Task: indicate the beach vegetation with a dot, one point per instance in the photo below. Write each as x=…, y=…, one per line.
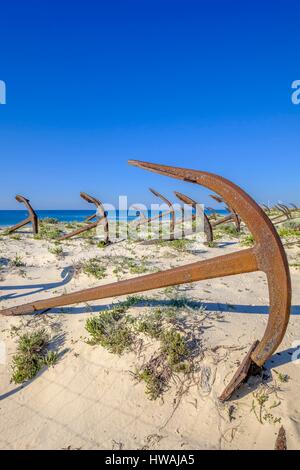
x=32, y=354
x=110, y=329
x=248, y=240
x=56, y=250
x=172, y=358
x=261, y=407
x=72, y=225
x=94, y=267
x=294, y=265
x=50, y=221
x=179, y=244
x=288, y=232
x=110, y=332
x=283, y=378
x=17, y=261
x=150, y=325
x=48, y=232
x=125, y=264
x=101, y=244
x=88, y=234
x=16, y=236
x=154, y=383
x=230, y=230
x=179, y=301
x=118, y=331
x=174, y=347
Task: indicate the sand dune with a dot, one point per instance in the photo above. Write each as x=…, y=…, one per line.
x=90, y=400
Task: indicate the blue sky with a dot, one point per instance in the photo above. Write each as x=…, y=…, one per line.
x=205, y=85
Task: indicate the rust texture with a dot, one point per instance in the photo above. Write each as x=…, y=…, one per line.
x=32, y=217
x=207, y=225
x=267, y=255
x=100, y=215
x=281, y=443
x=240, y=376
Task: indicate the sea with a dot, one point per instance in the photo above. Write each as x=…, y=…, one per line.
x=12, y=217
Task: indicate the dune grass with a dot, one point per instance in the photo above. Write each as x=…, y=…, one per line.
x=31, y=356
x=93, y=267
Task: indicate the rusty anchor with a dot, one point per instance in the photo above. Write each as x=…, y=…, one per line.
x=285, y=211
x=281, y=441
x=231, y=217
x=207, y=225
x=266, y=208
x=139, y=214
x=287, y=214
x=32, y=217
x=267, y=255
x=161, y=215
x=101, y=218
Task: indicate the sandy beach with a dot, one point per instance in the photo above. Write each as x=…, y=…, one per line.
x=91, y=398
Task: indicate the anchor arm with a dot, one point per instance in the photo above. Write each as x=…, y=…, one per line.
x=221, y=266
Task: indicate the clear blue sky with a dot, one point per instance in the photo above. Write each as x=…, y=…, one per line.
x=193, y=83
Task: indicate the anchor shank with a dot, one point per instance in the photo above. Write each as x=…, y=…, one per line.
x=19, y=225
x=227, y=218
x=208, y=269
x=155, y=217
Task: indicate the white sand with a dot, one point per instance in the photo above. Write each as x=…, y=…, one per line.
x=89, y=399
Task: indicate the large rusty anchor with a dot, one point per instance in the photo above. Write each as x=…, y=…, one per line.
x=267, y=255
x=32, y=217
x=101, y=218
x=207, y=225
x=161, y=215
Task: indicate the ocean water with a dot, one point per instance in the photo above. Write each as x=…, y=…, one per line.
x=12, y=217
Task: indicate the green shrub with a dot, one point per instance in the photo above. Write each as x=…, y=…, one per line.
x=16, y=236
x=288, y=232
x=230, y=230
x=108, y=331
x=154, y=386
x=56, y=250
x=17, y=262
x=248, y=240
x=180, y=244
x=94, y=268
x=47, y=232
x=31, y=356
x=174, y=346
